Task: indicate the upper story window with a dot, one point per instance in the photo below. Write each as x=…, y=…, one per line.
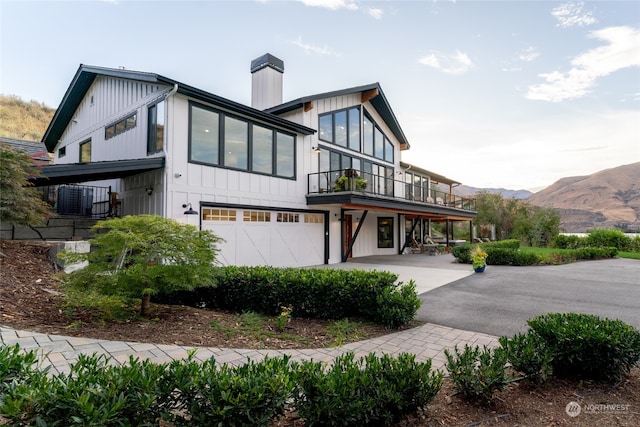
x=155, y=135
x=355, y=129
x=62, y=151
x=120, y=126
x=85, y=151
x=220, y=139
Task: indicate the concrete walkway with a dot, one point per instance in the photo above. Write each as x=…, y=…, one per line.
x=426, y=342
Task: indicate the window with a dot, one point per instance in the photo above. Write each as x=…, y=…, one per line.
x=314, y=218
x=326, y=128
x=219, y=139
x=120, y=126
x=257, y=216
x=288, y=217
x=236, y=143
x=62, y=151
x=155, y=136
x=285, y=156
x=205, y=136
x=385, y=232
x=211, y=214
x=262, y=154
x=85, y=152
x=367, y=137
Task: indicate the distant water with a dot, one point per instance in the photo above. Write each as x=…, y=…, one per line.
x=632, y=235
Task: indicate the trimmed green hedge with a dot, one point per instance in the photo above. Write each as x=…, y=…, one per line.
x=321, y=293
x=372, y=391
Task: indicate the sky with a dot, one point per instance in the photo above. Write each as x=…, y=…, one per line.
x=511, y=94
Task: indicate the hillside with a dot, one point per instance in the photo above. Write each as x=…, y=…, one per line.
x=466, y=191
x=23, y=120
x=609, y=198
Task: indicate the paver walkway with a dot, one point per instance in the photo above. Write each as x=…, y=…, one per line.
x=426, y=342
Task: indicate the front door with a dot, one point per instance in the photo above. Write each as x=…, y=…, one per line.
x=348, y=234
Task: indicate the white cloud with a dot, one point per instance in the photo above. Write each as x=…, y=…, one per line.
x=310, y=48
x=376, y=13
x=622, y=51
x=529, y=54
x=458, y=63
x=332, y=4
x=571, y=14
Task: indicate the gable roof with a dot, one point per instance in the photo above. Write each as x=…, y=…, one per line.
x=379, y=102
x=86, y=75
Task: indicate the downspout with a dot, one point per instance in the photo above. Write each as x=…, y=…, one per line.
x=164, y=150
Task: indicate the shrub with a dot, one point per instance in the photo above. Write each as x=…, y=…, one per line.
x=528, y=354
x=595, y=253
x=314, y=293
x=601, y=238
x=504, y=244
x=586, y=346
x=16, y=364
x=562, y=241
x=369, y=391
x=477, y=373
x=462, y=253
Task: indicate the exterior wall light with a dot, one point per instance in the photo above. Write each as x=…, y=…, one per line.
x=189, y=211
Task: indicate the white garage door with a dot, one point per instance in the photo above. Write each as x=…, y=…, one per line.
x=280, y=239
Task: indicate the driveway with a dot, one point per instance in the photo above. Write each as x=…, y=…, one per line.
x=502, y=299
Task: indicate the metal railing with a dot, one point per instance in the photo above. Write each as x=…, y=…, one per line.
x=79, y=200
x=350, y=180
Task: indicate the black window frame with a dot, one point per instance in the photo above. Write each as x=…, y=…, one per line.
x=111, y=130
x=386, y=243
x=152, y=128
x=62, y=151
x=222, y=114
x=81, y=145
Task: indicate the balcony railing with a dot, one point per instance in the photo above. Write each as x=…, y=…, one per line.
x=79, y=200
x=350, y=180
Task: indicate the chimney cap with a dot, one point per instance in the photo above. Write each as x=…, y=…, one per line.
x=267, y=60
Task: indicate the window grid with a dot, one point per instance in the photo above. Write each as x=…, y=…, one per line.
x=121, y=126
x=213, y=214
x=256, y=216
x=288, y=217
x=313, y=218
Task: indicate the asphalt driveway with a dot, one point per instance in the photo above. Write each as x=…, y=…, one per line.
x=502, y=299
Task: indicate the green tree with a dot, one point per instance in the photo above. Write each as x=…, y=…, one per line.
x=136, y=256
x=20, y=202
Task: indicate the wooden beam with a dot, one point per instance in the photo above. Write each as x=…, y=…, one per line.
x=368, y=94
x=308, y=106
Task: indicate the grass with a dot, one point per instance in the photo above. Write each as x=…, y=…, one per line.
x=547, y=252
x=344, y=330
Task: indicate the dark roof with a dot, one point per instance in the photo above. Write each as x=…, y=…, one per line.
x=379, y=102
x=72, y=173
x=86, y=75
x=36, y=150
x=434, y=176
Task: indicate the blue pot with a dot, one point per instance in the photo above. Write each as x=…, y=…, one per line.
x=480, y=269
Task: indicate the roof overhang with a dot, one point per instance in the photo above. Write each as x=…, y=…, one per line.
x=73, y=173
x=360, y=201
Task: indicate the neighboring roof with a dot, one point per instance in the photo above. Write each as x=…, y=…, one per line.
x=86, y=75
x=379, y=102
x=71, y=173
x=434, y=176
x=36, y=150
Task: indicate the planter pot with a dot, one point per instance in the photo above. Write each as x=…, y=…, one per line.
x=480, y=269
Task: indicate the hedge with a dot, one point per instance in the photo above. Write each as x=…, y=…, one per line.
x=320, y=293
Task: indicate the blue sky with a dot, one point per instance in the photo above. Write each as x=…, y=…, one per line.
x=513, y=94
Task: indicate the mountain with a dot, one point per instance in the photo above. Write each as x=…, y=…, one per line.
x=465, y=191
x=23, y=120
x=609, y=198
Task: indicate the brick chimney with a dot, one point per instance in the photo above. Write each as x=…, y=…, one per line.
x=266, y=81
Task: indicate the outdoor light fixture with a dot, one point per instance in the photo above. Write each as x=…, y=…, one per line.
x=149, y=190
x=189, y=211
x=316, y=149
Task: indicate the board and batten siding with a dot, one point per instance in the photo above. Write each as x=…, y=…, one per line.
x=107, y=101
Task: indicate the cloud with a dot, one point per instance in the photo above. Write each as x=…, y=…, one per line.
x=375, y=13
x=332, y=4
x=313, y=49
x=458, y=63
x=571, y=14
x=529, y=54
x=622, y=51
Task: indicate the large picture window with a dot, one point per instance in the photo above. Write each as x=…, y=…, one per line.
x=356, y=130
x=220, y=139
x=385, y=232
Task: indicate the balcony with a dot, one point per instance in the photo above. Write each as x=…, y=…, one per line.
x=353, y=187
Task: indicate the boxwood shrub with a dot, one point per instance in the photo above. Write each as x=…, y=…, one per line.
x=587, y=346
x=313, y=293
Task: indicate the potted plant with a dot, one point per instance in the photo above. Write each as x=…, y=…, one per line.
x=350, y=183
x=479, y=259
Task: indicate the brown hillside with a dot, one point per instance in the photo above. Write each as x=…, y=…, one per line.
x=605, y=199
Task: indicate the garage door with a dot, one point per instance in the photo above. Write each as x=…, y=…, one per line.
x=256, y=237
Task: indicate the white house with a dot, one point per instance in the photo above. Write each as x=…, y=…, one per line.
x=266, y=178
